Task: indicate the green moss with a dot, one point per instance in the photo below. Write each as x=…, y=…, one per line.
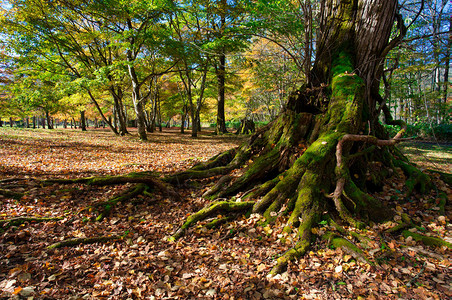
x=300, y=248
x=78, y=241
x=427, y=240
x=416, y=179
x=309, y=194
x=442, y=203
x=264, y=188
x=367, y=205
x=339, y=242
x=217, y=222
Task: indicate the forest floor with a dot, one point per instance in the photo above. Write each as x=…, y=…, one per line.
x=231, y=262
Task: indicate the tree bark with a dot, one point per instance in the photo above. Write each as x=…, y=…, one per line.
x=82, y=120
x=119, y=110
x=221, y=72
x=446, y=72
x=137, y=100
x=49, y=121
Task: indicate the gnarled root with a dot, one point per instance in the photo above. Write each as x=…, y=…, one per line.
x=78, y=241
x=406, y=224
x=21, y=220
x=416, y=178
x=142, y=177
x=11, y=194
x=144, y=182
x=215, y=208
x=107, y=206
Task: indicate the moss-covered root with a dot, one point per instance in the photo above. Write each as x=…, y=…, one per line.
x=142, y=178
x=21, y=220
x=109, y=204
x=224, y=181
x=416, y=179
x=366, y=205
x=337, y=241
x=446, y=177
x=219, y=160
x=427, y=240
x=310, y=216
x=78, y=241
x=11, y=194
x=190, y=174
x=214, y=208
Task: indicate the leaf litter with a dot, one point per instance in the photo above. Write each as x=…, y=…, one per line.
x=231, y=262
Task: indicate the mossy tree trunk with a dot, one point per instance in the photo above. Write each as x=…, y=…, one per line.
x=318, y=155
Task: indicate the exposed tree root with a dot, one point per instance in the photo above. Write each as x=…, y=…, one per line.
x=348, y=246
x=416, y=179
x=11, y=194
x=78, y=241
x=21, y=220
x=143, y=177
x=145, y=181
x=215, y=208
x=446, y=177
x=427, y=240
x=406, y=224
x=11, y=180
x=107, y=206
x=442, y=202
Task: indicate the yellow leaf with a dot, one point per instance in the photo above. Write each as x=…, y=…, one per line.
x=261, y=267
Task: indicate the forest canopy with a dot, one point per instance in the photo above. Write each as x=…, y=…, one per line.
x=144, y=63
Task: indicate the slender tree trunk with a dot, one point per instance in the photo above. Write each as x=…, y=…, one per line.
x=99, y=110
x=49, y=120
x=221, y=72
x=82, y=120
x=182, y=124
x=120, y=118
x=34, y=122
x=446, y=73
x=138, y=104
x=159, y=113
x=11, y=122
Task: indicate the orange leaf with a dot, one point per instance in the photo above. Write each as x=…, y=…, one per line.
x=17, y=290
x=392, y=245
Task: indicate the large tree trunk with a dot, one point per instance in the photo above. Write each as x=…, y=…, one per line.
x=302, y=162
